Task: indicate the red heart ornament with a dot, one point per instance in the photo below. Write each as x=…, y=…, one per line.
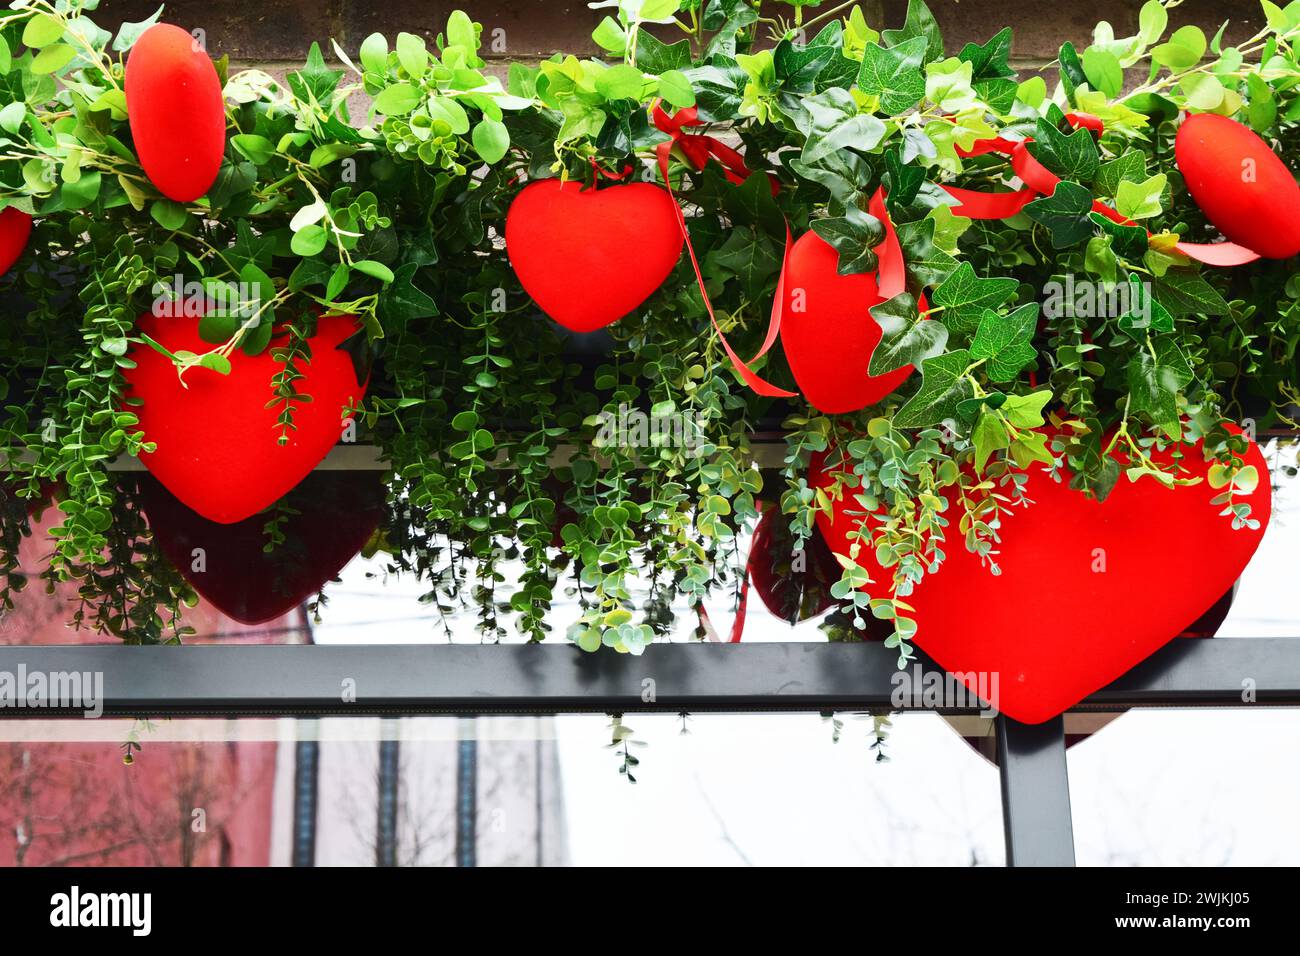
x=588, y=257
x=176, y=111
x=1240, y=184
x=337, y=512
x=15, y=230
x=217, y=439
x=1087, y=590
x=793, y=591
x=828, y=332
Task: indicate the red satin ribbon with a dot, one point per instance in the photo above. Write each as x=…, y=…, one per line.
x=891, y=276
x=698, y=148
x=737, y=623
x=1040, y=181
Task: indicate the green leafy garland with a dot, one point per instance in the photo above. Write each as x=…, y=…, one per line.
x=488, y=417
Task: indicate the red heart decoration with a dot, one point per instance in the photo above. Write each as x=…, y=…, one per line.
x=1051, y=628
x=337, y=513
x=217, y=439
x=1240, y=184
x=827, y=330
x=789, y=594
x=588, y=257
x=176, y=111
x=15, y=230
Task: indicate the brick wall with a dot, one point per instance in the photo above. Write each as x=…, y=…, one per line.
x=276, y=33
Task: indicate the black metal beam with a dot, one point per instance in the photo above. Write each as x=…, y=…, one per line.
x=493, y=679
x=1035, y=793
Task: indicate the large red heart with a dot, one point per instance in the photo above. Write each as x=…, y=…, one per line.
x=588, y=257
x=15, y=230
x=1240, y=184
x=337, y=512
x=218, y=448
x=1051, y=627
x=176, y=111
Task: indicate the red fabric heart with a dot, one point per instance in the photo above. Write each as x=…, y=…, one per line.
x=588, y=257
x=1050, y=627
x=15, y=230
x=792, y=595
x=828, y=333
x=1240, y=184
x=217, y=441
x=337, y=513
x=176, y=111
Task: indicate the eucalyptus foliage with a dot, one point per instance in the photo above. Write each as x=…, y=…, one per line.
x=484, y=411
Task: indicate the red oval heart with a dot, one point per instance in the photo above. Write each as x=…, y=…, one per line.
x=1240, y=184
x=15, y=230
x=217, y=439
x=176, y=111
x=828, y=333
x=1052, y=627
x=588, y=257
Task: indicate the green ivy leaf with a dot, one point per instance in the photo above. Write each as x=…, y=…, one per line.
x=965, y=297
x=1155, y=377
x=402, y=301
x=920, y=23
x=904, y=180
x=944, y=386
x=1005, y=341
x=853, y=235
x=989, y=60
x=655, y=56
x=1144, y=312
x=894, y=74
x=1064, y=214
x=1140, y=200
x=988, y=435
x=926, y=262
x=906, y=338
x=1186, y=293
x=1127, y=242
x=831, y=122
x=1026, y=411
x=1071, y=156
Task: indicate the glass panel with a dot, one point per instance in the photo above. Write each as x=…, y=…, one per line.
x=757, y=788
x=1201, y=787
